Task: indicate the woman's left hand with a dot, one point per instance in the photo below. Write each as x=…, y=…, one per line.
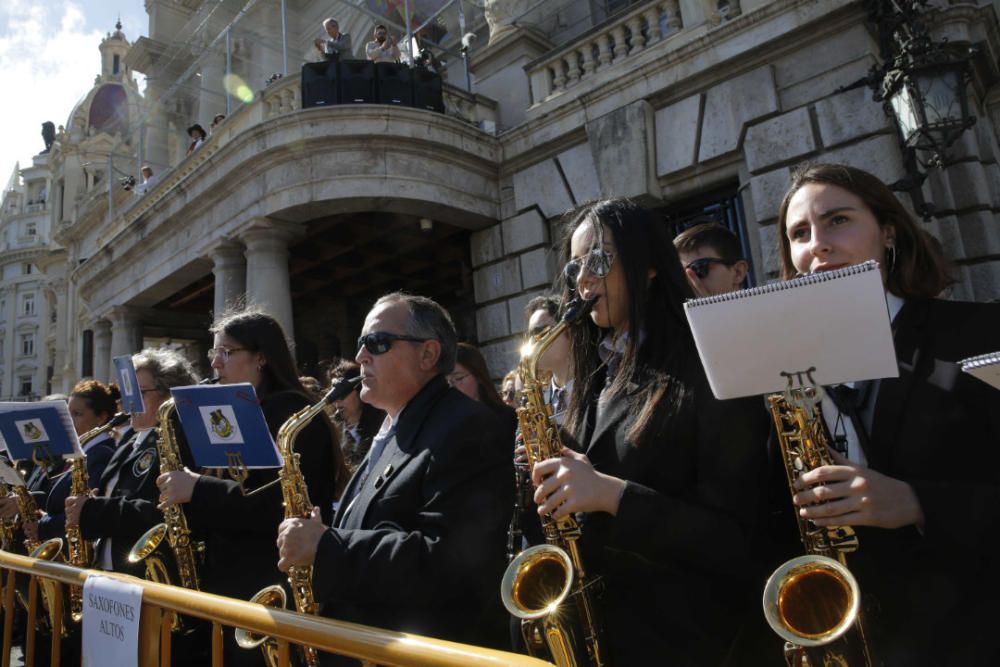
x=569, y=484
x=176, y=487
x=853, y=495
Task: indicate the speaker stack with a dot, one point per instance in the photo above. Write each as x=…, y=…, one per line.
x=366, y=82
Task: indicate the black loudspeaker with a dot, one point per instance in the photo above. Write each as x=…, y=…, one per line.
x=427, y=90
x=319, y=85
x=395, y=84
x=357, y=81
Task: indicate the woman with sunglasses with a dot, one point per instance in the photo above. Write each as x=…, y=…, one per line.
x=239, y=528
x=663, y=482
x=918, y=482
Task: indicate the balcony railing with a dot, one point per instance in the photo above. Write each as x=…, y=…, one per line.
x=604, y=47
x=161, y=603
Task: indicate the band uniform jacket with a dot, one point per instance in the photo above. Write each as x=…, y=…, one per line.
x=418, y=545
x=674, y=560
x=241, y=530
x=130, y=510
x=53, y=524
x=929, y=596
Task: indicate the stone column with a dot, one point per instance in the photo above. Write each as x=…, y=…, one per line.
x=102, y=350
x=9, y=341
x=126, y=336
x=229, y=265
x=57, y=289
x=268, y=284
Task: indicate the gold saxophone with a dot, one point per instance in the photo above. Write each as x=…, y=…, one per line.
x=81, y=551
x=186, y=553
x=813, y=601
x=49, y=550
x=541, y=579
x=8, y=526
x=297, y=505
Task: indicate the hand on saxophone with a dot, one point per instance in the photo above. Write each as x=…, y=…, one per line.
x=848, y=494
x=73, y=506
x=176, y=487
x=298, y=539
x=30, y=529
x=569, y=484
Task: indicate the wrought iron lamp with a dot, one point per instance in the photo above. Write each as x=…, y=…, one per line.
x=922, y=85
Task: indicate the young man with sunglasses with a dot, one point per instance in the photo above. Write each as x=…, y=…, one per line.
x=542, y=313
x=712, y=260
x=419, y=538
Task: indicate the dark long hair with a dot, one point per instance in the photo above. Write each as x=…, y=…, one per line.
x=472, y=359
x=259, y=332
x=920, y=268
x=659, y=361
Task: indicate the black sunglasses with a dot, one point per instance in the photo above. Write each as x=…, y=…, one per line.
x=379, y=342
x=703, y=265
x=597, y=262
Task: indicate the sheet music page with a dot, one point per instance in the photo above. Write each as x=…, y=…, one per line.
x=836, y=323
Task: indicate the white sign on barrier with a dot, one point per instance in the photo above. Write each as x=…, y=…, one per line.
x=110, y=622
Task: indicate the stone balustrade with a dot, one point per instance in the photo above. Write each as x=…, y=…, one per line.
x=608, y=45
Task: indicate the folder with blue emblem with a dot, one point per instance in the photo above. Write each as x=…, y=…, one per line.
x=41, y=430
x=223, y=424
x=128, y=385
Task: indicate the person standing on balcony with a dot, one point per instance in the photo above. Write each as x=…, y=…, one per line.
x=198, y=136
x=337, y=43
x=383, y=48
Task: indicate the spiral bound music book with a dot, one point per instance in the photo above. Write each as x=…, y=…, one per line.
x=986, y=367
x=823, y=328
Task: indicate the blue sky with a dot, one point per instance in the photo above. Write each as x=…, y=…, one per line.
x=49, y=58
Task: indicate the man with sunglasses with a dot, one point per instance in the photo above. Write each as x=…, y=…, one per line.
x=712, y=260
x=418, y=541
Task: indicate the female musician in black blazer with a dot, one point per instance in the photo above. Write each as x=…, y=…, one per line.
x=666, y=475
x=922, y=489
x=91, y=405
x=240, y=549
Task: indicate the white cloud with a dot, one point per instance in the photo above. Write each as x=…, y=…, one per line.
x=49, y=61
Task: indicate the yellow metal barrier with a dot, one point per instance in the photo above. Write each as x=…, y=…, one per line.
x=161, y=602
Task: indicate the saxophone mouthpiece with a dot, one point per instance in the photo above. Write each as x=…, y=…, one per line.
x=576, y=309
x=118, y=419
x=341, y=389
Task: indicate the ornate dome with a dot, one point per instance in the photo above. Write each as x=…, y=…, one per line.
x=109, y=109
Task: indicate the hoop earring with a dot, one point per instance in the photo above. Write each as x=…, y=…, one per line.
x=890, y=252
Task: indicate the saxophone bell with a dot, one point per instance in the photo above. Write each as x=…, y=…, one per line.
x=811, y=600
x=275, y=598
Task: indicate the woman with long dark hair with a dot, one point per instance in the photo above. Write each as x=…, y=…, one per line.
x=918, y=481
x=239, y=528
x=664, y=479
x=471, y=377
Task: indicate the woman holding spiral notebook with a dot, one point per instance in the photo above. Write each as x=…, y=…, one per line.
x=916, y=479
x=661, y=481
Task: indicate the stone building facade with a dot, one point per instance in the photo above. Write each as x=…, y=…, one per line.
x=686, y=105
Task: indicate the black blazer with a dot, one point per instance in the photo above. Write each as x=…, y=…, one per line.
x=674, y=560
x=240, y=530
x=930, y=596
x=130, y=510
x=421, y=548
x=53, y=524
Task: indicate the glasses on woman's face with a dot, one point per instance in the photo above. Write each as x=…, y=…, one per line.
x=379, y=342
x=597, y=262
x=703, y=265
x=223, y=353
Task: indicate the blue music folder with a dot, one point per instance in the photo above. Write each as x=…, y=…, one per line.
x=42, y=429
x=128, y=385
x=223, y=423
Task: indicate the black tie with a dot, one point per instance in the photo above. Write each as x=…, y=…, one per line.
x=850, y=401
